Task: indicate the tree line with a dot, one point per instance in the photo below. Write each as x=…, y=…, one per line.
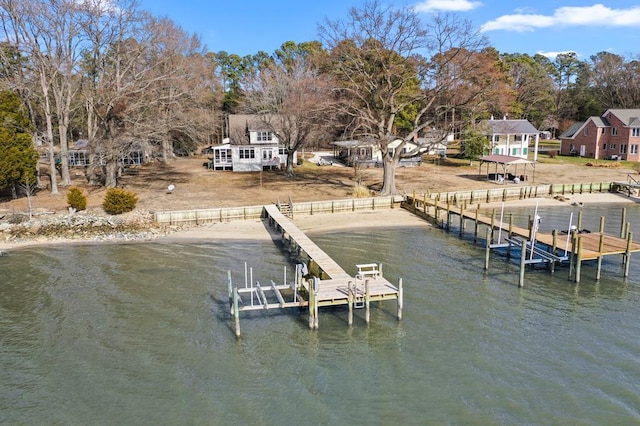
x=123, y=80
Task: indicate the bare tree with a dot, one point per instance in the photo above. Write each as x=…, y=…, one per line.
x=391, y=90
x=49, y=34
x=292, y=96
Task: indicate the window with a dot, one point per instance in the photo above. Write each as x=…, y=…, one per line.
x=222, y=155
x=586, y=131
x=635, y=132
x=264, y=136
x=247, y=153
x=614, y=131
x=613, y=146
x=267, y=154
x=515, y=151
x=525, y=151
x=604, y=146
x=604, y=130
x=633, y=149
x=623, y=148
x=282, y=151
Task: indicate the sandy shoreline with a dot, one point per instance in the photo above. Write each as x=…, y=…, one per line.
x=256, y=229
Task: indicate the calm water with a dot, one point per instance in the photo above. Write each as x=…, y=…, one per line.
x=140, y=334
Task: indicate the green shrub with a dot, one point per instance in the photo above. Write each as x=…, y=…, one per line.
x=300, y=161
x=118, y=201
x=76, y=199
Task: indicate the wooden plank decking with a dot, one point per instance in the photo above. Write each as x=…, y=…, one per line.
x=337, y=287
x=594, y=245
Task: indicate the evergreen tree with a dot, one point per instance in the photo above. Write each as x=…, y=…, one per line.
x=18, y=158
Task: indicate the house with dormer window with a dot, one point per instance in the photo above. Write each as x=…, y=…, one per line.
x=615, y=135
x=250, y=146
x=511, y=137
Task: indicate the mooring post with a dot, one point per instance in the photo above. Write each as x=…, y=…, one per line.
x=230, y=287
x=367, y=302
x=400, y=299
x=461, y=221
x=628, y=254
x=487, y=249
x=600, y=255
x=623, y=221
x=572, y=256
x=236, y=312
x=580, y=220
x=312, y=309
x=579, y=260
x=493, y=222
x=351, y=301
x=523, y=262
x=475, y=229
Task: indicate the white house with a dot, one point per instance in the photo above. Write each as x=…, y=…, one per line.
x=511, y=137
x=251, y=146
x=368, y=153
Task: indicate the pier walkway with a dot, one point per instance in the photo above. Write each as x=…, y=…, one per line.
x=583, y=246
x=317, y=283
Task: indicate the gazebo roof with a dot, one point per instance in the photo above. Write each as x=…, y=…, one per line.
x=504, y=159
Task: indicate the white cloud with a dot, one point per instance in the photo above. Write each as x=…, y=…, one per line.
x=446, y=5
x=596, y=15
x=552, y=55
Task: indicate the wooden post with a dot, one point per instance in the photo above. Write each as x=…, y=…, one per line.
x=493, y=223
x=312, y=308
x=230, y=287
x=572, y=256
x=367, y=302
x=400, y=299
x=580, y=220
x=351, y=301
x=523, y=260
x=487, y=250
x=510, y=235
x=461, y=221
x=236, y=312
x=579, y=260
x=622, y=222
x=600, y=249
x=448, y=214
x=628, y=254
x=424, y=201
x=475, y=230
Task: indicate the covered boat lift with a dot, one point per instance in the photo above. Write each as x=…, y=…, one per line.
x=509, y=168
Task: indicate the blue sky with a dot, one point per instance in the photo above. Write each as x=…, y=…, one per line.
x=533, y=26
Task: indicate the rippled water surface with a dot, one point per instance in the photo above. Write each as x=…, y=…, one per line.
x=140, y=334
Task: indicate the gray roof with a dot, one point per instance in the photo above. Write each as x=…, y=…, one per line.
x=630, y=117
x=572, y=130
x=508, y=127
x=250, y=122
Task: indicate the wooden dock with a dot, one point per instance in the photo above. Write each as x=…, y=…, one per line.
x=580, y=247
x=317, y=283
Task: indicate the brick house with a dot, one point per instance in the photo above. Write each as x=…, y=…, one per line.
x=613, y=136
